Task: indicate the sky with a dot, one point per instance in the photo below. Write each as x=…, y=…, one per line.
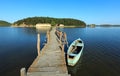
x=89, y=11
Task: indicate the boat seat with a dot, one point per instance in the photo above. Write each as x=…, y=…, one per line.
x=77, y=50
x=72, y=54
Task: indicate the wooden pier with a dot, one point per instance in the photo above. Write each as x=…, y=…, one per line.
x=50, y=60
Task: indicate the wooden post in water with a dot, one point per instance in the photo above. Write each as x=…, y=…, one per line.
x=38, y=44
x=23, y=72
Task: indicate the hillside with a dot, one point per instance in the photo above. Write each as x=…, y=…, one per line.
x=32, y=21
x=4, y=23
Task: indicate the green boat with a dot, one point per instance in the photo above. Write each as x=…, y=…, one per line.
x=74, y=52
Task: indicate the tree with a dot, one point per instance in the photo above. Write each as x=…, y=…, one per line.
x=53, y=23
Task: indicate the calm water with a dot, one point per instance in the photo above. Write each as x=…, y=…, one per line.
x=101, y=55
x=17, y=49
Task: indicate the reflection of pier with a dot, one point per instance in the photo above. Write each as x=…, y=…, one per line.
x=51, y=59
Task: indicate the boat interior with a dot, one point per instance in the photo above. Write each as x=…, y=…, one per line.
x=79, y=41
x=71, y=56
x=75, y=51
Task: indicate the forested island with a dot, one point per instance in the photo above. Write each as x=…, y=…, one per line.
x=4, y=23
x=32, y=21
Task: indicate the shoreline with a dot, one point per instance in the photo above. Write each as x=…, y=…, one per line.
x=22, y=26
x=51, y=26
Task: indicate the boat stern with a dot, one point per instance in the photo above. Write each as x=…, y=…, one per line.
x=71, y=62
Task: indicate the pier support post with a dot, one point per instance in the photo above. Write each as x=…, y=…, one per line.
x=38, y=44
x=23, y=72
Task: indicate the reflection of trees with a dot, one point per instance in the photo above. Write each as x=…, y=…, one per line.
x=33, y=31
x=30, y=31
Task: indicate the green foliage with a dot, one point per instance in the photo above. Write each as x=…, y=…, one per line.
x=53, y=21
x=4, y=23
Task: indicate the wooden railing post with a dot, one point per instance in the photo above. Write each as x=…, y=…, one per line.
x=60, y=37
x=65, y=39
x=38, y=44
x=62, y=47
x=23, y=72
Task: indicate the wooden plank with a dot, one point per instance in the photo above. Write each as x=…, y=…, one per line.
x=46, y=74
x=51, y=61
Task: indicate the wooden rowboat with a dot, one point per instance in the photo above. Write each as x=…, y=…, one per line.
x=74, y=52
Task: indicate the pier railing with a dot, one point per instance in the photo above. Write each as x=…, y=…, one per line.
x=51, y=39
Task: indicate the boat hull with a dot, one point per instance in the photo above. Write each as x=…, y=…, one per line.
x=73, y=61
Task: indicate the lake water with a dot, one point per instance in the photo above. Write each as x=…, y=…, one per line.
x=17, y=49
x=101, y=55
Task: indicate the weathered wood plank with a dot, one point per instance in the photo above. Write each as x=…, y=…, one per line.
x=51, y=61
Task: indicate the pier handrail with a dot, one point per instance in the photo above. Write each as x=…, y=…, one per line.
x=51, y=58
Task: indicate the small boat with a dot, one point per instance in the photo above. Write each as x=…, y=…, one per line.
x=74, y=52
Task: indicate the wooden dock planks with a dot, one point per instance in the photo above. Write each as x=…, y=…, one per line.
x=51, y=61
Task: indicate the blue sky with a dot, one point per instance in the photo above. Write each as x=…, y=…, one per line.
x=90, y=11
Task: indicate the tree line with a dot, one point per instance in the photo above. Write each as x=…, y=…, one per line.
x=53, y=21
x=4, y=23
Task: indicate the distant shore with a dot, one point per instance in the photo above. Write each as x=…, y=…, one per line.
x=23, y=25
x=45, y=26
x=72, y=26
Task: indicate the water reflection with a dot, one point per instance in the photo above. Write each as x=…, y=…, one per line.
x=101, y=53
x=43, y=29
x=73, y=70
x=17, y=49
x=30, y=31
